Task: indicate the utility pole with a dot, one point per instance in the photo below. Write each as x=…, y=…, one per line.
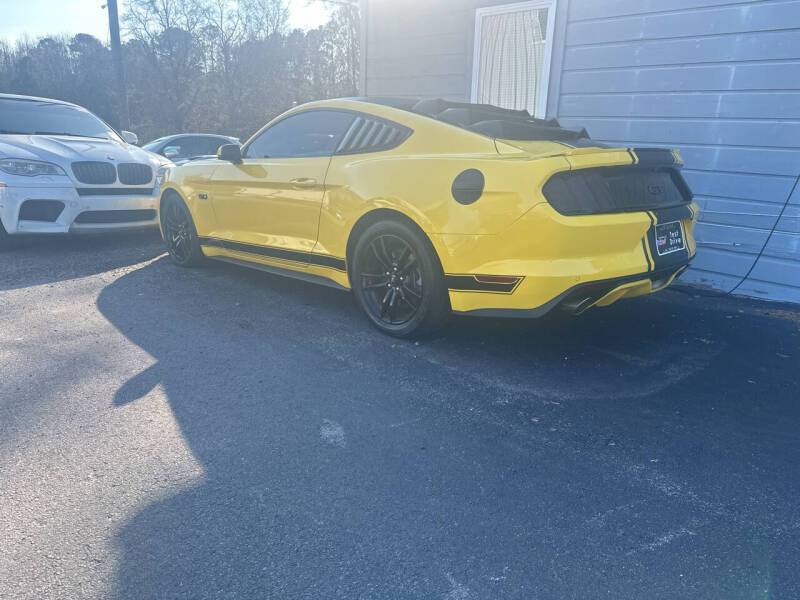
x=119, y=65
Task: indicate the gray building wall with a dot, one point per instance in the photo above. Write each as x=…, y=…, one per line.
x=718, y=80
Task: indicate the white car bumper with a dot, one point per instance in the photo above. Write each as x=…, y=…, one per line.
x=61, y=209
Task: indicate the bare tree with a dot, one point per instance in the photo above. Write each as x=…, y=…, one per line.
x=221, y=66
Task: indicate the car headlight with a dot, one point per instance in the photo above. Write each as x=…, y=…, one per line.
x=29, y=168
x=160, y=174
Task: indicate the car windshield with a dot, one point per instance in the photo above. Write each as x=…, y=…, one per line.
x=40, y=117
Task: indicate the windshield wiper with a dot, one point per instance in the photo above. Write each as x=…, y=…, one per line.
x=65, y=133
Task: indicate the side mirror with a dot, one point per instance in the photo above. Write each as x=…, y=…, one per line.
x=231, y=153
x=130, y=138
x=171, y=151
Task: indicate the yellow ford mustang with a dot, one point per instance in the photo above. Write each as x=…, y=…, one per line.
x=427, y=207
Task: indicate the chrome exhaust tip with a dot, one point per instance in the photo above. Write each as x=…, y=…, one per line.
x=576, y=307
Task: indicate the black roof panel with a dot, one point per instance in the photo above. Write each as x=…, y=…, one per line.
x=485, y=119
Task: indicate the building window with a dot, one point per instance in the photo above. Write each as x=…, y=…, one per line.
x=513, y=46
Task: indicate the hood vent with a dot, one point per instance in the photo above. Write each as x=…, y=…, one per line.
x=372, y=134
x=96, y=173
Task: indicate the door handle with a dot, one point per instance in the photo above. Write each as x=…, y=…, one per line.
x=304, y=182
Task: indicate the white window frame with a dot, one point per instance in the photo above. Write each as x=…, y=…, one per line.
x=480, y=13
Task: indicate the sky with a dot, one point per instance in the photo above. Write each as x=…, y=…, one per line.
x=36, y=18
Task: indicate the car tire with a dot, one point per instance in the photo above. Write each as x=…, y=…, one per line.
x=398, y=281
x=180, y=234
x=6, y=241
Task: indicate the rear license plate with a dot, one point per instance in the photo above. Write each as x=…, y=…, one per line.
x=669, y=238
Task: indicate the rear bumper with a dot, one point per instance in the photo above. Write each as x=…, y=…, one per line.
x=67, y=212
x=584, y=296
x=572, y=262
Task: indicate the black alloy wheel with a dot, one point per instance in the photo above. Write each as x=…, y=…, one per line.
x=391, y=280
x=398, y=281
x=180, y=234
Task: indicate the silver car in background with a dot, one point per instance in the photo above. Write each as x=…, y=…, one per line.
x=62, y=170
x=186, y=147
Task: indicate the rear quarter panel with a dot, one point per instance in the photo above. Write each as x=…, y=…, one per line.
x=416, y=180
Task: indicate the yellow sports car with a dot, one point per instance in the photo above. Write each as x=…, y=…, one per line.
x=427, y=207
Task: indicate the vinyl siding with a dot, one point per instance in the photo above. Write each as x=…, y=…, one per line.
x=424, y=47
x=721, y=82
x=718, y=80
x=417, y=48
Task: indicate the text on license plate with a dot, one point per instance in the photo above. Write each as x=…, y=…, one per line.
x=669, y=238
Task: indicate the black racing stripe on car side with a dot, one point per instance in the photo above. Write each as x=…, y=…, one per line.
x=325, y=260
x=646, y=256
x=468, y=283
x=646, y=242
x=322, y=260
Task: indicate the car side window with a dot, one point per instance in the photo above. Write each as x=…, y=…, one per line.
x=201, y=145
x=181, y=143
x=190, y=146
x=206, y=146
x=305, y=134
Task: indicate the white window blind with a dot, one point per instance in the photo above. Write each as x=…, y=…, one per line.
x=512, y=56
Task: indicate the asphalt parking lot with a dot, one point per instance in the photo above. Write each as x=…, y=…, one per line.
x=220, y=433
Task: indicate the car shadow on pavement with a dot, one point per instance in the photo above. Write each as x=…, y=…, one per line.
x=74, y=256
x=636, y=451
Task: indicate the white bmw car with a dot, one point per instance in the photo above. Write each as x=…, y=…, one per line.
x=63, y=170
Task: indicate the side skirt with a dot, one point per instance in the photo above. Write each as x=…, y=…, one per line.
x=318, y=260
x=307, y=277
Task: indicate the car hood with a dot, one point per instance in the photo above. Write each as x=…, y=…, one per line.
x=65, y=149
